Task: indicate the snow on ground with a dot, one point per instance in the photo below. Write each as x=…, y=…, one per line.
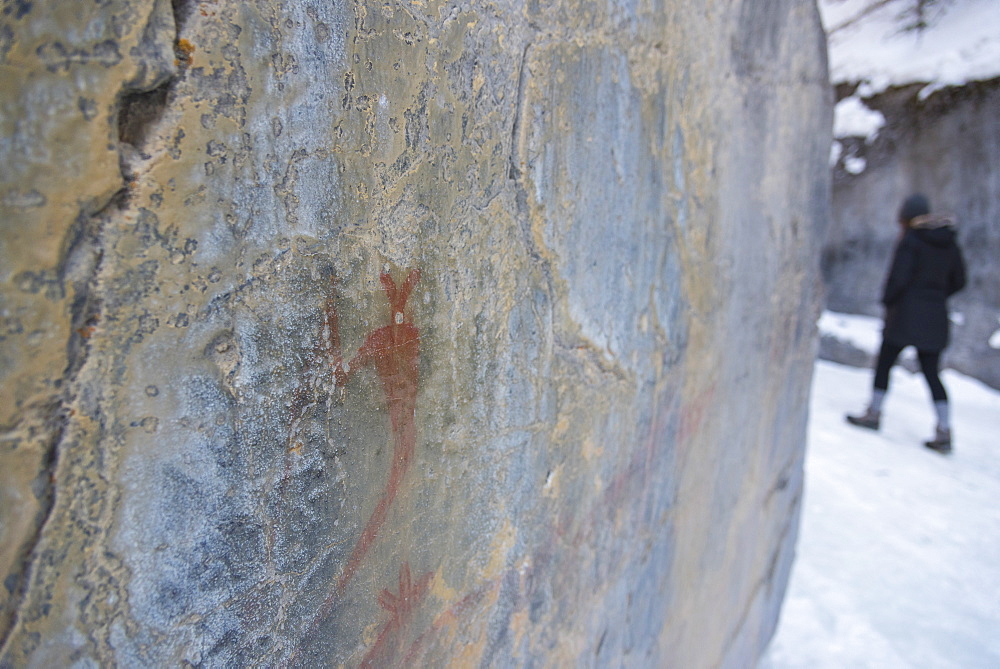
x=861, y=332
x=961, y=43
x=899, y=548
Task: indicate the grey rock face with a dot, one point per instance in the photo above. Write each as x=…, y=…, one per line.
x=946, y=147
x=405, y=334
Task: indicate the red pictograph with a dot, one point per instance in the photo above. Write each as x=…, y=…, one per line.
x=394, y=350
x=400, y=607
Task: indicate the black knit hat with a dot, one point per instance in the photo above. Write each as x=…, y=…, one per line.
x=913, y=206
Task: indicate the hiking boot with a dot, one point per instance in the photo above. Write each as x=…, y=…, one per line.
x=941, y=441
x=869, y=419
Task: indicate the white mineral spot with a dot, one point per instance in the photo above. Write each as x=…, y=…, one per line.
x=399, y=318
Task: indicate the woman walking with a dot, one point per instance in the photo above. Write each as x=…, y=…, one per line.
x=927, y=268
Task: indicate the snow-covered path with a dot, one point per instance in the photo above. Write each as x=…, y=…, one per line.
x=899, y=549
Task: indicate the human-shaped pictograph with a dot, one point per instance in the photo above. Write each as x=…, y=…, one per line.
x=394, y=350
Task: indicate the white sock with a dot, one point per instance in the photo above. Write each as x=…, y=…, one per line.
x=878, y=396
x=941, y=409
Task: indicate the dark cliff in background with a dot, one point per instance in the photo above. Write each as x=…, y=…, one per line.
x=948, y=147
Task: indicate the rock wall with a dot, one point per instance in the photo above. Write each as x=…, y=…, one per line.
x=946, y=146
x=405, y=333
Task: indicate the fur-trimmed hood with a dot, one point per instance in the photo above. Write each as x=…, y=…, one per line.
x=934, y=229
x=932, y=221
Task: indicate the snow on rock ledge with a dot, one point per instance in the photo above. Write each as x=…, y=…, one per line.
x=868, y=42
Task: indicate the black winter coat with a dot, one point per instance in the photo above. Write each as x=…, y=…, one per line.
x=926, y=269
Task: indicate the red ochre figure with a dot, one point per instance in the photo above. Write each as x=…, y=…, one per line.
x=400, y=607
x=393, y=350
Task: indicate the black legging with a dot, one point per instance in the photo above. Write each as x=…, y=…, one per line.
x=929, y=362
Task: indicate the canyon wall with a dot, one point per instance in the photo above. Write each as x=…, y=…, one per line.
x=402, y=334
x=945, y=145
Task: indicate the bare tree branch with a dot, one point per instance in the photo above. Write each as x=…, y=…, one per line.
x=874, y=7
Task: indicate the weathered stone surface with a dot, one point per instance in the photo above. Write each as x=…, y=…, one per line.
x=405, y=333
x=946, y=146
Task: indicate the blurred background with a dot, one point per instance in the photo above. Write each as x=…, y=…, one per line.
x=897, y=557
